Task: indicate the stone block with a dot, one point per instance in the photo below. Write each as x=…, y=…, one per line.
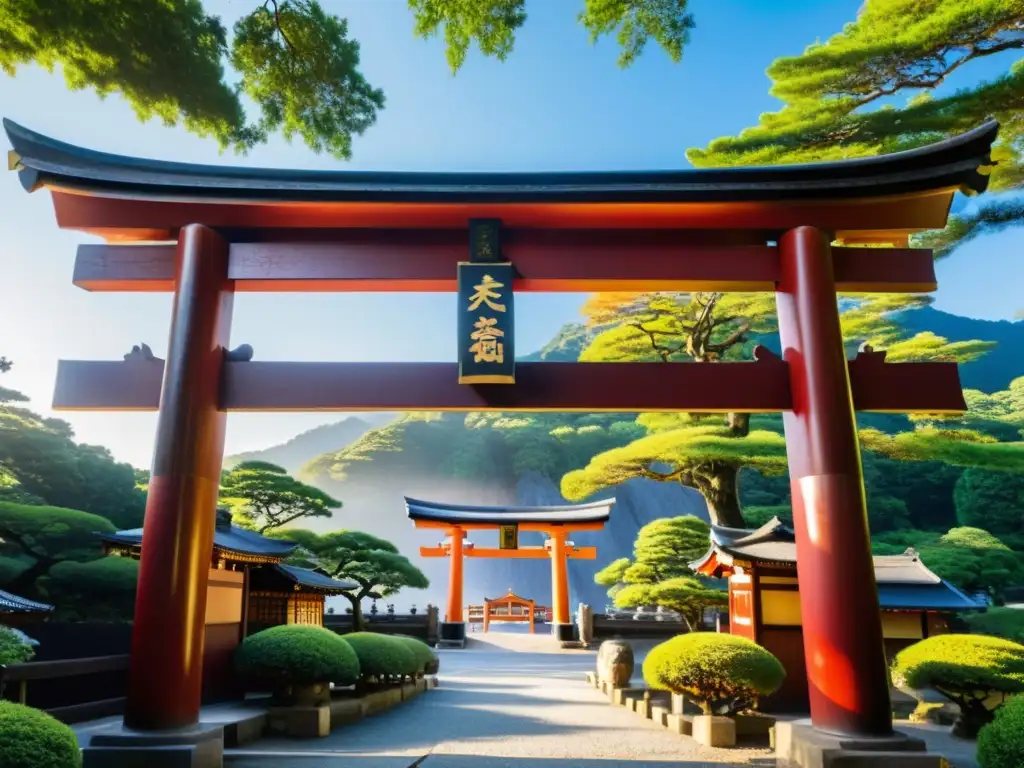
x=753, y=726
x=347, y=710
x=382, y=700
x=683, y=705
x=300, y=722
x=714, y=731
x=621, y=696
x=681, y=724
x=244, y=731
x=200, y=746
x=801, y=746
x=658, y=714
x=409, y=691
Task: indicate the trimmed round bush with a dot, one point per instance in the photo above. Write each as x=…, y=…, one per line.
x=13, y=649
x=296, y=654
x=967, y=669
x=1001, y=742
x=723, y=674
x=383, y=656
x=32, y=739
x=424, y=654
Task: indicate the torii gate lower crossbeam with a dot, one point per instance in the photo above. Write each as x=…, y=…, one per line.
x=556, y=522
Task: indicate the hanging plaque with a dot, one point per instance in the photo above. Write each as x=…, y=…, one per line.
x=486, y=324
x=508, y=537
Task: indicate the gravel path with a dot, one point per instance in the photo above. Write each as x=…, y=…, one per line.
x=508, y=701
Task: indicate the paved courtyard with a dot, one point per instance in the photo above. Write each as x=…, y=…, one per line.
x=510, y=700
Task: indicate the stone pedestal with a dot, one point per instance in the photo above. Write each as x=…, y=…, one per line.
x=200, y=746
x=564, y=633
x=803, y=747
x=714, y=731
x=300, y=722
x=452, y=635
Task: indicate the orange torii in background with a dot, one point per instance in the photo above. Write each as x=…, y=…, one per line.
x=557, y=522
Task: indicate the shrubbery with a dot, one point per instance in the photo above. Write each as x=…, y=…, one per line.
x=1001, y=742
x=383, y=657
x=999, y=622
x=967, y=670
x=724, y=674
x=296, y=655
x=14, y=650
x=32, y=739
x=424, y=654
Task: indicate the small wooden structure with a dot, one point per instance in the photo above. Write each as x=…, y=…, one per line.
x=17, y=611
x=248, y=589
x=510, y=607
x=765, y=602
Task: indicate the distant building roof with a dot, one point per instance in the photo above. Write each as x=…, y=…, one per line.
x=594, y=512
x=13, y=604
x=314, y=579
x=904, y=582
x=227, y=537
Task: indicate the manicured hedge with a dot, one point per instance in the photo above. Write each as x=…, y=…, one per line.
x=1001, y=742
x=296, y=655
x=424, y=654
x=14, y=650
x=32, y=739
x=966, y=669
x=722, y=673
x=383, y=656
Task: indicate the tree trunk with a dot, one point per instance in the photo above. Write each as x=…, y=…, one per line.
x=358, y=623
x=718, y=483
x=24, y=584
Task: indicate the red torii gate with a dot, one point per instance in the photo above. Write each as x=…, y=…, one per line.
x=206, y=232
x=456, y=520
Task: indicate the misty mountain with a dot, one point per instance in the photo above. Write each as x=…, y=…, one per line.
x=307, y=445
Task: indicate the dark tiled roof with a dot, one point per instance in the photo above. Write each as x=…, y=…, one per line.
x=230, y=539
x=952, y=163
x=595, y=512
x=307, y=577
x=13, y=604
x=903, y=580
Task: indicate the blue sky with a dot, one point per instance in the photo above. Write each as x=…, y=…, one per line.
x=557, y=103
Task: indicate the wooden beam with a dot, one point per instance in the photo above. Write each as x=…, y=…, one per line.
x=536, y=527
x=127, y=219
x=523, y=553
x=545, y=261
x=562, y=387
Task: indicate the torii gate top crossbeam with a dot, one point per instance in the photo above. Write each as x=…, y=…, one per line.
x=578, y=516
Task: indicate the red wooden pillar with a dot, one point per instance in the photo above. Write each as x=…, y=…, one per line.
x=165, y=673
x=842, y=627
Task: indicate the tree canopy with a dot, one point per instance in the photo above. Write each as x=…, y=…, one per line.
x=370, y=561
x=839, y=97
x=266, y=497
x=660, y=574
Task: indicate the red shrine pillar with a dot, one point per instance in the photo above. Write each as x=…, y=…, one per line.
x=453, y=628
x=165, y=672
x=561, y=624
x=842, y=627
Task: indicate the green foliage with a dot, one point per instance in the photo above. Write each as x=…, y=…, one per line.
x=13, y=650
x=894, y=47
x=46, y=536
x=493, y=24
x=758, y=516
x=293, y=60
x=296, y=654
x=423, y=653
x=659, y=573
x=30, y=738
x=268, y=498
x=1001, y=742
x=371, y=562
x=723, y=673
x=299, y=66
x=99, y=590
x=999, y=622
x=41, y=464
x=990, y=500
x=969, y=558
x=384, y=657
x=966, y=669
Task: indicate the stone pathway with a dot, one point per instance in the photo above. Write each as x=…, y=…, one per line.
x=506, y=701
